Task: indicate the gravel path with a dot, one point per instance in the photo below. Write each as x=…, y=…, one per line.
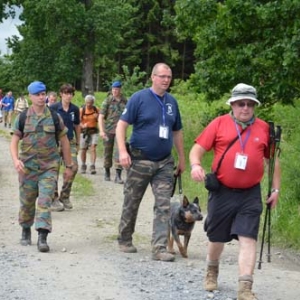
x=84, y=261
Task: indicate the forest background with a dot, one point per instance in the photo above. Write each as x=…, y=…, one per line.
x=210, y=45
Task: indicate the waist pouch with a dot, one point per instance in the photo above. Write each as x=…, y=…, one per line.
x=212, y=183
x=137, y=154
x=89, y=131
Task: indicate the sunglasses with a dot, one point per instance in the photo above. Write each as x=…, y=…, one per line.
x=243, y=104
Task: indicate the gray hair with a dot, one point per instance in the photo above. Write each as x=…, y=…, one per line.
x=89, y=97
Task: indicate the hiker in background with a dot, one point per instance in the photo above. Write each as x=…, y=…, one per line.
x=51, y=98
x=70, y=115
x=111, y=110
x=8, y=103
x=37, y=164
x=89, y=132
x=1, y=96
x=21, y=104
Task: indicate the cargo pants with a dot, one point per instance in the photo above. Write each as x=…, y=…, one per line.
x=160, y=176
x=36, y=190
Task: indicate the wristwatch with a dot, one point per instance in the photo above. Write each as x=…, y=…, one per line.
x=275, y=191
x=69, y=166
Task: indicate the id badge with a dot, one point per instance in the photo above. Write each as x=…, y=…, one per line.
x=240, y=161
x=163, y=132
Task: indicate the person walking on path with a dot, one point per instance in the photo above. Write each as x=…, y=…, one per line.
x=89, y=133
x=156, y=121
x=235, y=208
x=51, y=98
x=70, y=115
x=8, y=103
x=37, y=164
x=111, y=110
x=1, y=97
x=21, y=104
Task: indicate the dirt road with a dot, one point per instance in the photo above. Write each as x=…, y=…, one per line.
x=84, y=261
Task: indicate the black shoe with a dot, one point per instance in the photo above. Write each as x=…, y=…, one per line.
x=107, y=174
x=118, y=178
x=42, y=241
x=26, y=237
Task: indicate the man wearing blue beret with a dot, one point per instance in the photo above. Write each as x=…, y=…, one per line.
x=37, y=163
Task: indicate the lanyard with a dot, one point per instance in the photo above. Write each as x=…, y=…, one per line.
x=162, y=107
x=242, y=143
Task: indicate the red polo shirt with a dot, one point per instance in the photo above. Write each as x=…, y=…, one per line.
x=254, y=140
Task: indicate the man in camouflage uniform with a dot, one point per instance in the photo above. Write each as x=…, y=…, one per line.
x=112, y=108
x=37, y=164
x=156, y=121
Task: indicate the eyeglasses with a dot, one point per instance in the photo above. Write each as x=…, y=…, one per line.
x=243, y=104
x=68, y=93
x=164, y=76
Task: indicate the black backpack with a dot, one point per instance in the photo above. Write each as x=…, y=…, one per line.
x=23, y=116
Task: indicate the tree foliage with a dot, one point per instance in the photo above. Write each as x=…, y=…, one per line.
x=256, y=42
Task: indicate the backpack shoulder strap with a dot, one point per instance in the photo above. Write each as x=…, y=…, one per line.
x=22, y=119
x=55, y=119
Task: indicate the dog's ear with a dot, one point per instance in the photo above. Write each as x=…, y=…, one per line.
x=196, y=200
x=185, y=201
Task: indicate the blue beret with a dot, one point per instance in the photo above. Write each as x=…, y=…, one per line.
x=116, y=84
x=36, y=87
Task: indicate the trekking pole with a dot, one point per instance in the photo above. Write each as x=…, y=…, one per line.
x=268, y=210
x=275, y=138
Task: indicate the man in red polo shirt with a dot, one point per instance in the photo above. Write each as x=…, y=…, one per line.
x=234, y=209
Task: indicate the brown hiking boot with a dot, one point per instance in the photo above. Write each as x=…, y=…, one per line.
x=56, y=205
x=127, y=248
x=211, y=279
x=163, y=256
x=245, y=291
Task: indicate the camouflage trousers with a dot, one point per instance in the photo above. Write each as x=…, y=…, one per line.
x=67, y=184
x=109, y=153
x=36, y=190
x=160, y=176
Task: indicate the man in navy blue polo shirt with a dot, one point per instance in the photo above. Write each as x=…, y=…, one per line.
x=70, y=115
x=156, y=121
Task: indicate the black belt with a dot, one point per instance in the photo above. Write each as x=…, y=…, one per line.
x=235, y=190
x=137, y=154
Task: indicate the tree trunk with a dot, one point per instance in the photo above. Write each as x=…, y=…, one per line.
x=87, y=85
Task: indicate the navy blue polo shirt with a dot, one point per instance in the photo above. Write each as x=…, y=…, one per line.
x=147, y=112
x=70, y=117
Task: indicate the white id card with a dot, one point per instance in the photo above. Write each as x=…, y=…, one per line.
x=163, y=132
x=240, y=161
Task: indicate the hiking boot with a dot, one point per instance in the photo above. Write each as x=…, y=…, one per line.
x=26, y=236
x=107, y=174
x=42, y=241
x=211, y=279
x=93, y=169
x=67, y=203
x=127, y=248
x=163, y=256
x=83, y=169
x=56, y=205
x=245, y=291
x=118, y=178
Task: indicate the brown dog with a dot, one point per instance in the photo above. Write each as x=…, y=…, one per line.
x=182, y=222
